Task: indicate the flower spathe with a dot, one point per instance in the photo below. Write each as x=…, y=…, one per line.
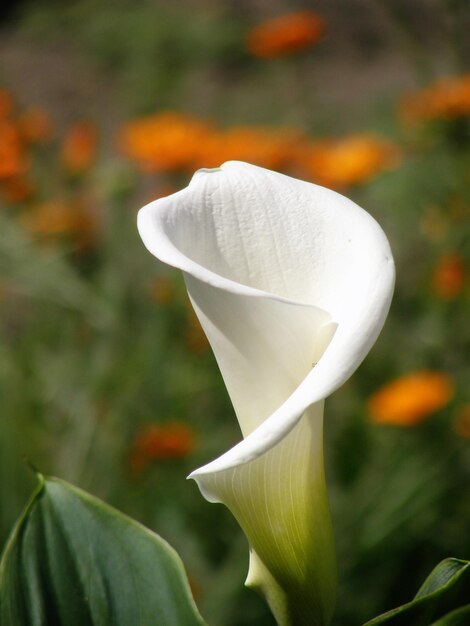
x=292, y=283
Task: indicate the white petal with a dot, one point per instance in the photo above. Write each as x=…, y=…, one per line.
x=292, y=283
x=273, y=265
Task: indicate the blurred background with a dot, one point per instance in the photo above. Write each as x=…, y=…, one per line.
x=106, y=379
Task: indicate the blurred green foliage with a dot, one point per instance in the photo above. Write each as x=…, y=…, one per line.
x=89, y=356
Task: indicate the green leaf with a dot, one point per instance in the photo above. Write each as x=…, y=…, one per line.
x=442, y=576
x=440, y=600
x=72, y=560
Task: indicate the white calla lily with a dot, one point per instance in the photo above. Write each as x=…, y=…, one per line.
x=292, y=283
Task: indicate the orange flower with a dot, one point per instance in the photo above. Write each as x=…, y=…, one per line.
x=164, y=142
x=58, y=218
x=271, y=149
x=35, y=126
x=156, y=442
x=16, y=189
x=13, y=159
x=409, y=400
x=172, y=142
x=446, y=98
x=348, y=161
x=79, y=147
x=461, y=423
x=449, y=276
x=6, y=104
x=286, y=34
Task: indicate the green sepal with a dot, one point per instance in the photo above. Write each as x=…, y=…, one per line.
x=442, y=599
x=72, y=560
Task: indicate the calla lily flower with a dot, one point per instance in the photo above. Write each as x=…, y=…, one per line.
x=292, y=283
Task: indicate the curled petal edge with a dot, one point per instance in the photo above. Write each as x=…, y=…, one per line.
x=349, y=344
